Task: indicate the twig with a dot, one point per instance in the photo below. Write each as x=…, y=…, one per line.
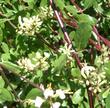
x=97, y=46
x=90, y=95
x=106, y=42
x=24, y=79
x=79, y=9
x=66, y=36
x=28, y=81
x=75, y=25
x=46, y=43
x=1, y=14
x=8, y=83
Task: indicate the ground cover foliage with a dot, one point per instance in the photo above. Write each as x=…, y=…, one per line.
x=55, y=53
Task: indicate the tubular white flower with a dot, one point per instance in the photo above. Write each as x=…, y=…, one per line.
x=37, y=62
x=85, y=71
x=46, y=11
x=55, y=105
x=29, y=26
x=41, y=62
x=67, y=51
x=26, y=63
x=60, y=93
x=38, y=101
x=38, y=55
x=47, y=55
x=48, y=93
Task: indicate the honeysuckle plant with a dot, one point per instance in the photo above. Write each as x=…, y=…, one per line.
x=54, y=53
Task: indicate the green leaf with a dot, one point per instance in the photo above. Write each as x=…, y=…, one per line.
x=83, y=105
x=5, y=95
x=89, y=3
x=75, y=72
x=77, y=98
x=2, y=82
x=71, y=9
x=39, y=73
x=107, y=13
x=60, y=4
x=6, y=57
x=1, y=35
x=105, y=94
x=83, y=33
x=108, y=101
x=98, y=8
x=5, y=47
x=11, y=67
x=31, y=3
x=62, y=61
x=106, y=68
x=84, y=18
x=72, y=34
x=33, y=93
x=43, y=3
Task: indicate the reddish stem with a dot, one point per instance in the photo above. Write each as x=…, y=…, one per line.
x=79, y=9
x=70, y=23
x=106, y=42
x=66, y=36
x=75, y=25
x=97, y=46
x=77, y=60
x=90, y=96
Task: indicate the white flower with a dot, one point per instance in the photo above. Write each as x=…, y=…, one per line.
x=38, y=55
x=47, y=55
x=85, y=71
x=37, y=62
x=26, y=63
x=41, y=62
x=60, y=93
x=5, y=107
x=46, y=11
x=38, y=102
x=29, y=26
x=48, y=93
x=67, y=51
x=55, y=105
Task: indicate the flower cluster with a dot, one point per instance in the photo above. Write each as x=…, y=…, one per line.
x=37, y=62
x=67, y=51
x=93, y=78
x=32, y=25
x=45, y=12
x=49, y=93
x=26, y=63
x=104, y=57
x=29, y=26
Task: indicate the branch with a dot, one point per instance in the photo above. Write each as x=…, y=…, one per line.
x=66, y=36
x=15, y=73
x=79, y=9
x=106, y=42
x=1, y=14
x=75, y=25
x=8, y=83
x=90, y=94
